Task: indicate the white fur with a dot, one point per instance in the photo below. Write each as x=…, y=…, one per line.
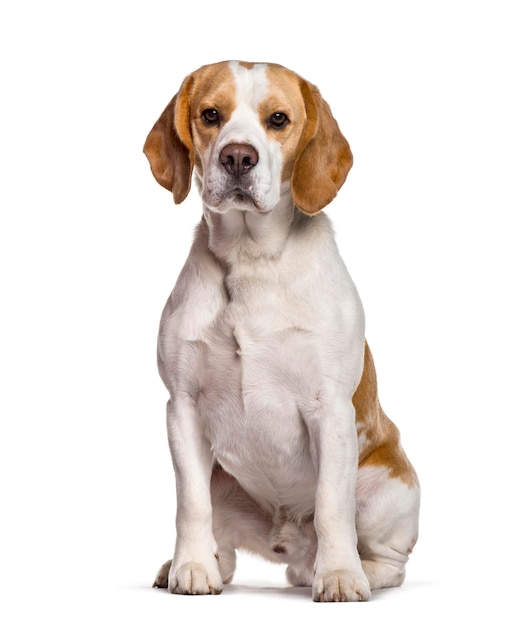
x=261, y=348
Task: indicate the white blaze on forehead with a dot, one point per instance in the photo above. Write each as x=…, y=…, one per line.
x=251, y=88
x=252, y=85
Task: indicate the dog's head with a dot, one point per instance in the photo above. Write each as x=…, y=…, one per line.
x=250, y=132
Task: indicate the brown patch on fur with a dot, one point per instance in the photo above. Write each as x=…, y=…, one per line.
x=317, y=156
x=323, y=157
x=213, y=88
x=169, y=147
x=284, y=96
x=381, y=446
x=247, y=65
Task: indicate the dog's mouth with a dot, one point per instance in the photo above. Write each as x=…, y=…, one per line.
x=239, y=196
x=235, y=198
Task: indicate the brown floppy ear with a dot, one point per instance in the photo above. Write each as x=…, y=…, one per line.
x=169, y=145
x=323, y=157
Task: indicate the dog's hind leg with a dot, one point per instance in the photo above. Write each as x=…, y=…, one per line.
x=387, y=525
x=387, y=490
x=161, y=579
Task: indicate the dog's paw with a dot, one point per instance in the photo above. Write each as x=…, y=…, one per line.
x=161, y=580
x=340, y=586
x=194, y=579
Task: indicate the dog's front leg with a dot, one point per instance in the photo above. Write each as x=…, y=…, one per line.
x=194, y=568
x=338, y=576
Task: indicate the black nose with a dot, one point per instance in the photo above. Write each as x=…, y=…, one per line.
x=238, y=158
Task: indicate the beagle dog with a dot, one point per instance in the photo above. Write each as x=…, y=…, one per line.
x=278, y=440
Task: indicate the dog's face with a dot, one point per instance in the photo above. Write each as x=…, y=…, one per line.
x=246, y=129
x=251, y=132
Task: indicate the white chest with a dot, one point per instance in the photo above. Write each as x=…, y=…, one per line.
x=252, y=385
x=257, y=346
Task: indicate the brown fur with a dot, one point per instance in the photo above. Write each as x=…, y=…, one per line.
x=324, y=157
x=168, y=149
x=382, y=439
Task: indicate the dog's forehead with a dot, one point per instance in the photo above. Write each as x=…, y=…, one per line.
x=251, y=83
x=242, y=83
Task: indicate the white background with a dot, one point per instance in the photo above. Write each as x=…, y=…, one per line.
x=90, y=247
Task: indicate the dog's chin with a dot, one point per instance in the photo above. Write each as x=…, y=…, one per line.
x=235, y=199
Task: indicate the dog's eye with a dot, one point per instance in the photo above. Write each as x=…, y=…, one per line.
x=210, y=117
x=278, y=120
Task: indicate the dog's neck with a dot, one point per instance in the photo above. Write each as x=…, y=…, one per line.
x=240, y=237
